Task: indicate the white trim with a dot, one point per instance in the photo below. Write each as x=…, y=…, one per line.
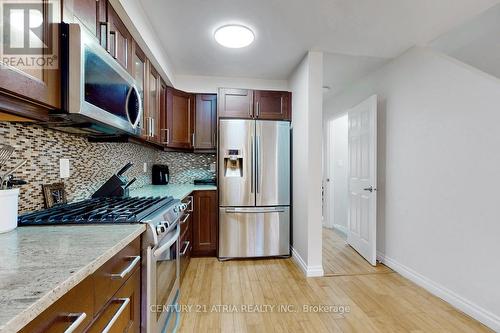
x=341, y=228
x=475, y=311
x=309, y=271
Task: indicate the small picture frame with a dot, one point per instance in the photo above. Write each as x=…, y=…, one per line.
x=54, y=194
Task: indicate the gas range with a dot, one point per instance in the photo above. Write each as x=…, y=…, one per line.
x=159, y=214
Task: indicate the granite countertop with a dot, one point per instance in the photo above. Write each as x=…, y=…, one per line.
x=178, y=191
x=40, y=264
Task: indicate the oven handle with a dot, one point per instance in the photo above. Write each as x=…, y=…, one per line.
x=159, y=251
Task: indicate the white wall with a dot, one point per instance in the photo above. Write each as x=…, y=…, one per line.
x=306, y=86
x=438, y=177
x=209, y=84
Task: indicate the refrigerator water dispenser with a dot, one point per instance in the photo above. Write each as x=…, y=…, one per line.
x=233, y=163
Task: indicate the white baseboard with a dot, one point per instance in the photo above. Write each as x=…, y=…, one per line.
x=475, y=311
x=341, y=228
x=309, y=271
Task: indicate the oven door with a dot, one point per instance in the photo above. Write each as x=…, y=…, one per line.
x=164, y=282
x=100, y=89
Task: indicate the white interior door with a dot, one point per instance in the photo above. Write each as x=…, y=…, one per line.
x=362, y=219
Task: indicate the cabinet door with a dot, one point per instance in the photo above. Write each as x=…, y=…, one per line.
x=205, y=234
x=180, y=119
x=235, y=103
x=162, y=128
x=30, y=67
x=139, y=73
x=205, y=132
x=153, y=104
x=86, y=13
x=272, y=105
x=119, y=40
x=123, y=312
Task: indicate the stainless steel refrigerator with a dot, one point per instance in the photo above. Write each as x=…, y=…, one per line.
x=254, y=188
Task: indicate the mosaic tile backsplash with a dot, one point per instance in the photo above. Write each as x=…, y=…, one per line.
x=90, y=163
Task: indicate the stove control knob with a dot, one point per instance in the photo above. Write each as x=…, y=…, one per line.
x=160, y=228
x=182, y=207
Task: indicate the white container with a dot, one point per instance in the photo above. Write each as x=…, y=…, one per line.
x=8, y=209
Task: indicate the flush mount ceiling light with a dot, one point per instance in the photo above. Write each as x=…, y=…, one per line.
x=234, y=36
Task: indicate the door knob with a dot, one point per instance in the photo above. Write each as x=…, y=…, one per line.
x=370, y=189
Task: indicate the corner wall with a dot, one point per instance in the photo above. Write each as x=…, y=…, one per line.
x=307, y=103
x=438, y=215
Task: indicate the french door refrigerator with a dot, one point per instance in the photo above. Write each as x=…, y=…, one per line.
x=254, y=188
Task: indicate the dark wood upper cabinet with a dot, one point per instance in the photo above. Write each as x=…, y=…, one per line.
x=205, y=231
x=205, y=132
x=139, y=64
x=85, y=11
x=119, y=40
x=180, y=119
x=162, y=121
x=39, y=85
x=153, y=105
x=254, y=104
x=235, y=103
x=272, y=105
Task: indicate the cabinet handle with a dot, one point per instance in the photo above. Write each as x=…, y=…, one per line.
x=186, y=247
x=115, y=43
x=165, y=142
x=258, y=109
x=214, y=139
x=190, y=204
x=122, y=307
x=135, y=261
x=184, y=219
x=104, y=37
x=192, y=138
x=153, y=130
x=80, y=317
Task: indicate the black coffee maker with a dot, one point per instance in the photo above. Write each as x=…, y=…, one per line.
x=160, y=174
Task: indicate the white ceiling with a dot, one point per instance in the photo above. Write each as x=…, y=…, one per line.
x=359, y=34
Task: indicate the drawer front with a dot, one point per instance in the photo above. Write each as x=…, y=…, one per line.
x=111, y=276
x=123, y=312
x=72, y=311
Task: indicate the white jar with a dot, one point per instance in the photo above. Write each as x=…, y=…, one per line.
x=9, y=200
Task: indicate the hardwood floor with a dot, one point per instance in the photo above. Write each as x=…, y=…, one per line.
x=373, y=303
x=341, y=259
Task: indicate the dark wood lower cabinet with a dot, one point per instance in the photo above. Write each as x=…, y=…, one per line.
x=123, y=311
x=205, y=224
x=101, y=300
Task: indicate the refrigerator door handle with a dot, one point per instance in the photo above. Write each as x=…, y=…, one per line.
x=252, y=159
x=256, y=210
x=257, y=166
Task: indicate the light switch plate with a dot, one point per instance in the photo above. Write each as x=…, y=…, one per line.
x=212, y=167
x=145, y=167
x=64, y=168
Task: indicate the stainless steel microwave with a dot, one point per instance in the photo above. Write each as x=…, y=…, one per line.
x=99, y=97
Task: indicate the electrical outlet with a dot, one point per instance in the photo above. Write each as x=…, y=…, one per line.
x=145, y=167
x=213, y=167
x=64, y=168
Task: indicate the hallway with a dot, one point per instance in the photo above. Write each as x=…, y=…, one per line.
x=341, y=259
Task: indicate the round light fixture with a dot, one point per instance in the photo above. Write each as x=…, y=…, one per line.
x=234, y=36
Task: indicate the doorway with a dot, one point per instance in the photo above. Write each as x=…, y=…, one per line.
x=349, y=216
